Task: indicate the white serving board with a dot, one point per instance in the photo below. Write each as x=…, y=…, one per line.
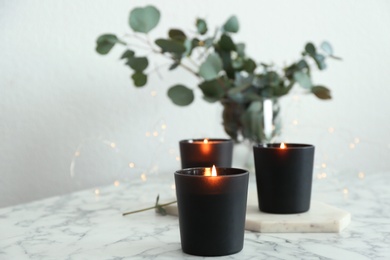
x=321, y=218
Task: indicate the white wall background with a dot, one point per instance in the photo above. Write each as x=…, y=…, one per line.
x=70, y=119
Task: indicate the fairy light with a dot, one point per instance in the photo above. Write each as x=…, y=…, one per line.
x=323, y=165
x=177, y=158
x=352, y=146
x=173, y=186
x=361, y=175
x=331, y=130
x=97, y=191
x=345, y=191
x=113, y=145
x=295, y=122
x=131, y=165
x=116, y=183
x=356, y=140
x=153, y=93
x=323, y=175
x=147, y=134
x=77, y=153
x=163, y=126
x=143, y=177
x=155, y=133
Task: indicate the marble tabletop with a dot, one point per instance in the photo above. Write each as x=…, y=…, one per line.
x=89, y=224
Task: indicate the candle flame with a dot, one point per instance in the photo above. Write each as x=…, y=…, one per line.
x=206, y=141
x=210, y=171
x=214, y=171
x=282, y=146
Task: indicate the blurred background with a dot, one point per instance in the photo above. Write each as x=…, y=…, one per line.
x=70, y=119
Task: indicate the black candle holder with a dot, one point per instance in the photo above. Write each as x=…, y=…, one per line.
x=284, y=177
x=206, y=153
x=212, y=210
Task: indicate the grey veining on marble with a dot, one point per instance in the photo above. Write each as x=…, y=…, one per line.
x=84, y=225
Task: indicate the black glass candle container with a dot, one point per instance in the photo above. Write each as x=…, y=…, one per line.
x=206, y=153
x=212, y=210
x=284, y=177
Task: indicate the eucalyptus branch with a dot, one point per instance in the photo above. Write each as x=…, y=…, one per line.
x=159, y=208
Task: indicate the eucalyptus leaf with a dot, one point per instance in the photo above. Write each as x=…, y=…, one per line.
x=303, y=79
x=170, y=46
x=231, y=25
x=310, y=49
x=138, y=63
x=282, y=90
x=181, y=95
x=249, y=65
x=139, y=79
x=226, y=43
x=252, y=121
x=321, y=92
x=157, y=199
x=327, y=48
x=177, y=35
x=106, y=42
x=201, y=26
x=144, y=19
x=208, y=42
x=240, y=48
x=237, y=64
x=128, y=54
x=211, y=67
x=160, y=210
x=320, y=61
x=212, y=90
x=174, y=65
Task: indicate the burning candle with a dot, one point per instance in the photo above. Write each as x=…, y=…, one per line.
x=212, y=209
x=206, y=153
x=284, y=174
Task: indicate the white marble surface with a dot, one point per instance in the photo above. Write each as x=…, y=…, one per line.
x=84, y=225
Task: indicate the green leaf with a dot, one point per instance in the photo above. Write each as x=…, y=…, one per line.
x=170, y=46
x=231, y=25
x=144, y=19
x=128, y=54
x=310, y=49
x=321, y=92
x=174, y=65
x=105, y=43
x=237, y=64
x=201, y=26
x=240, y=48
x=282, y=90
x=160, y=210
x=320, y=61
x=210, y=68
x=303, y=79
x=249, y=65
x=252, y=122
x=177, y=35
x=208, y=42
x=212, y=91
x=327, y=48
x=181, y=95
x=138, y=63
x=226, y=43
x=139, y=79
